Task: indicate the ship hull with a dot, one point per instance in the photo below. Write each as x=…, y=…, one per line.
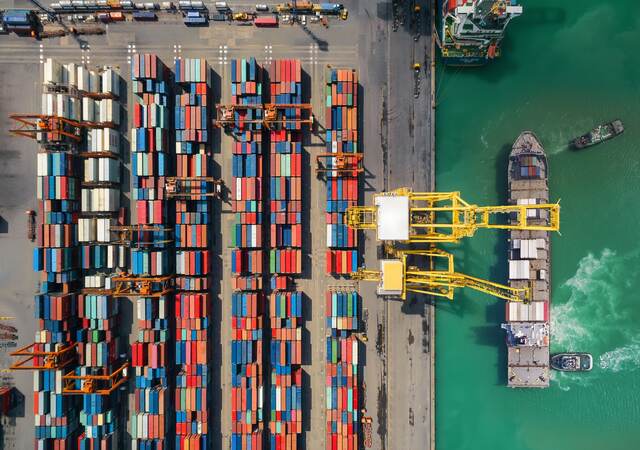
x=528, y=325
x=465, y=61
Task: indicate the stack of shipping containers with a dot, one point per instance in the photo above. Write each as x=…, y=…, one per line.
x=56, y=257
x=285, y=255
x=99, y=345
x=150, y=137
x=342, y=187
x=193, y=259
x=247, y=391
x=342, y=305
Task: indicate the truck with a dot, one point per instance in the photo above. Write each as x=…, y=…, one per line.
x=146, y=16
x=266, y=21
x=20, y=21
x=243, y=16
x=218, y=17
x=31, y=224
x=195, y=18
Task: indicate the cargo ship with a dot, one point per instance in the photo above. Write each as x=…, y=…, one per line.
x=599, y=134
x=527, y=324
x=472, y=30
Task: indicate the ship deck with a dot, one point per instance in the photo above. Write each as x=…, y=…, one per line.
x=529, y=265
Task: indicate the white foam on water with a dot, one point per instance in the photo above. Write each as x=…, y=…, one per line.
x=626, y=358
x=566, y=380
x=572, y=322
x=599, y=313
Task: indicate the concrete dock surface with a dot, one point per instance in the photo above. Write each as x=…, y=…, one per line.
x=396, y=137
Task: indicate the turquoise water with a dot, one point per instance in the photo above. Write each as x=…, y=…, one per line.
x=566, y=66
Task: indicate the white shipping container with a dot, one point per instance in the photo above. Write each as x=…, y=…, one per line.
x=75, y=109
x=109, y=111
x=104, y=200
x=94, y=82
x=354, y=352
x=239, y=189
x=85, y=200
x=62, y=106
x=538, y=308
x=122, y=257
x=254, y=235
x=99, y=140
x=110, y=141
x=103, y=226
x=329, y=235
x=109, y=170
x=42, y=165
x=52, y=72
x=133, y=140
x=91, y=170
x=542, y=274
x=110, y=82
x=71, y=74
x=82, y=78
x=88, y=109
x=112, y=257
x=48, y=101
x=519, y=269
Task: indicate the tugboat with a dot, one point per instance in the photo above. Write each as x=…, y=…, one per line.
x=572, y=362
x=599, y=134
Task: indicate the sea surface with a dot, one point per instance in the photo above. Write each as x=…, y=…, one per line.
x=566, y=67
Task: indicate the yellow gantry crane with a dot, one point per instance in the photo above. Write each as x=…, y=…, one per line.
x=438, y=217
x=396, y=277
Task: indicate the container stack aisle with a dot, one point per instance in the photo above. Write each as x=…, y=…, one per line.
x=285, y=184
x=57, y=258
x=342, y=374
x=342, y=186
x=285, y=255
x=193, y=260
x=247, y=391
x=99, y=346
x=285, y=422
x=152, y=419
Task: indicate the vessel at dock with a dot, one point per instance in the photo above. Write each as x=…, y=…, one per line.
x=527, y=324
x=472, y=30
x=599, y=134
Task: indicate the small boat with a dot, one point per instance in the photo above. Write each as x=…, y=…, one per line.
x=572, y=362
x=599, y=134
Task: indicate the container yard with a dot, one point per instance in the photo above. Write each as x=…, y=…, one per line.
x=192, y=250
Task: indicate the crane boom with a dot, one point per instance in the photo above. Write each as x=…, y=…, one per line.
x=432, y=217
x=396, y=277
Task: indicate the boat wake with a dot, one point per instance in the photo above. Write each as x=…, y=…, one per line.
x=625, y=358
x=598, y=315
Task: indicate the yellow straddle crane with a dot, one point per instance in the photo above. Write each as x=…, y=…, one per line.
x=433, y=217
x=225, y=114
x=397, y=277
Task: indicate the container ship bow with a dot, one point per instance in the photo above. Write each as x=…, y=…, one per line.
x=527, y=324
x=472, y=30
